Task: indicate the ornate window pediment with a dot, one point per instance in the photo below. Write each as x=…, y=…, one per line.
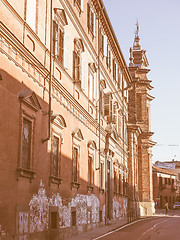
x=93, y=67
x=116, y=162
x=78, y=45
x=29, y=98
x=77, y=133
x=60, y=16
x=58, y=120
x=91, y=144
x=103, y=84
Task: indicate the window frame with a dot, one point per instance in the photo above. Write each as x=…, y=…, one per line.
x=101, y=180
x=75, y=179
x=26, y=172
x=58, y=51
x=56, y=179
x=91, y=20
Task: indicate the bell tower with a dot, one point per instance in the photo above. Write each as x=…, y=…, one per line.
x=139, y=116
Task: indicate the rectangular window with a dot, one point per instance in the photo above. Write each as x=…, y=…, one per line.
x=108, y=58
x=114, y=69
x=115, y=182
x=101, y=102
x=55, y=156
x=58, y=42
x=31, y=13
x=26, y=143
x=120, y=77
x=124, y=189
x=90, y=170
x=91, y=87
x=101, y=175
x=101, y=42
x=76, y=67
x=166, y=181
x=75, y=164
x=90, y=20
x=115, y=113
x=120, y=184
x=119, y=125
x=108, y=106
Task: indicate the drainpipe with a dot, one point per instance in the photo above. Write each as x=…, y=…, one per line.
x=50, y=80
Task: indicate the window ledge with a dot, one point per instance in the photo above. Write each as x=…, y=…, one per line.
x=75, y=185
x=55, y=180
x=26, y=173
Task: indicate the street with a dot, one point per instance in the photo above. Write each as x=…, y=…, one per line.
x=157, y=228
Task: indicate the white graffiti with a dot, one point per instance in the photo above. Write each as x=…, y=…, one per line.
x=87, y=208
x=39, y=211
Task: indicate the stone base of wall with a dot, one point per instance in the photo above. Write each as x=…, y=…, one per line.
x=147, y=208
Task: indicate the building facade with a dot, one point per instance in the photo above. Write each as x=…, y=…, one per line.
x=64, y=83
x=174, y=167
x=164, y=187
x=72, y=157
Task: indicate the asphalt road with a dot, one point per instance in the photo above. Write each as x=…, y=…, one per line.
x=158, y=228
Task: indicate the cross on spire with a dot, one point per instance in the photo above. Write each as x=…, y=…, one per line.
x=137, y=28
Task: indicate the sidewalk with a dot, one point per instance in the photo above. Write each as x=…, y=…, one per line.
x=100, y=230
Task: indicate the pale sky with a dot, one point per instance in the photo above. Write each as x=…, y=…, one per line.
x=159, y=23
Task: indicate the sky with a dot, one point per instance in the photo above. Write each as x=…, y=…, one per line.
x=159, y=31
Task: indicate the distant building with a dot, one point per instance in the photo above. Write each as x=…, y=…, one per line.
x=164, y=187
x=174, y=167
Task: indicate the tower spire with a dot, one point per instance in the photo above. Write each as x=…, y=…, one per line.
x=137, y=28
x=136, y=45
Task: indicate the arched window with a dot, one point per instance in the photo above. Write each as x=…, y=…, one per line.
x=58, y=124
x=77, y=137
x=77, y=68
x=91, y=163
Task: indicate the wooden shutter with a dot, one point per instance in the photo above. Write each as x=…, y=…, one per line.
x=74, y=60
x=55, y=38
x=78, y=68
x=61, y=46
x=105, y=46
x=94, y=24
x=88, y=16
x=114, y=69
x=83, y=74
x=114, y=113
x=82, y=5
x=119, y=125
x=117, y=71
x=108, y=106
x=66, y=50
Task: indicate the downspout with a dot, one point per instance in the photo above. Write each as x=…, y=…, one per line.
x=50, y=80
